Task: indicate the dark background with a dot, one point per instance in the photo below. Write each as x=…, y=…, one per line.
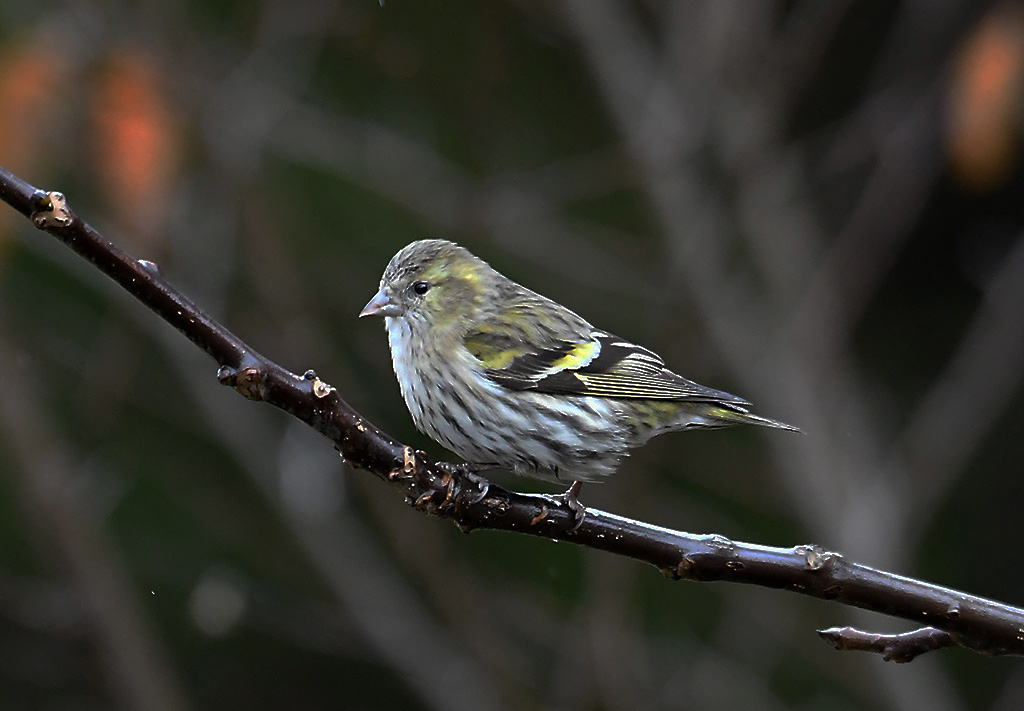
x=815, y=205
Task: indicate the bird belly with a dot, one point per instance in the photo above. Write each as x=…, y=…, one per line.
x=552, y=437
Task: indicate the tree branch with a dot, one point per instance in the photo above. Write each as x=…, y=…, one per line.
x=472, y=502
x=897, y=648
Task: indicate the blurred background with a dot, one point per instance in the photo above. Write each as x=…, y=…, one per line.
x=815, y=205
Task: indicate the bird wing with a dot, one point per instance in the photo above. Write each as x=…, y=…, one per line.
x=555, y=351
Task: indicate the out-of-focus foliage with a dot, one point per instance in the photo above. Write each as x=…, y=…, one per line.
x=816, y=205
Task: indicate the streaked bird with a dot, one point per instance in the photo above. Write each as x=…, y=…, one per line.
x=505, y=377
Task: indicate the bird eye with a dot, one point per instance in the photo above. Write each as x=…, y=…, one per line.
x=421, y=287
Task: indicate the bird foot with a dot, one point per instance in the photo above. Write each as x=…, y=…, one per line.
x=570, y=499
x=468, y=473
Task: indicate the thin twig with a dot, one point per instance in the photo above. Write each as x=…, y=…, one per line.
x=898, y=648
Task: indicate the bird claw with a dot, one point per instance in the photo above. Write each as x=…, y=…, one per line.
x=570, y=500
x=457, y=476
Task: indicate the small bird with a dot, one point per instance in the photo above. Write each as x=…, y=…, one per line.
x=505, y=377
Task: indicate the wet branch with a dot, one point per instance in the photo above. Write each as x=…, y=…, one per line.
x=949, y=617
x=893, y=647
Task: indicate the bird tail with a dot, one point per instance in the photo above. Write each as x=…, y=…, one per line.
x=730, y=416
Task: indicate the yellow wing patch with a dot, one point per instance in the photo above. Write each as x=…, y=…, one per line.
x=491, y=356
x=578, y=356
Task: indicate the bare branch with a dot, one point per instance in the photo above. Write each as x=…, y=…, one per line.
x=471, y=502
x=899, y=648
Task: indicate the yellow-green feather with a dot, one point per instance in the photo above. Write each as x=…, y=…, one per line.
x=580, y=355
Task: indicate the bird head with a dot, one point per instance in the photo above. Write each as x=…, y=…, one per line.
x=434, y=283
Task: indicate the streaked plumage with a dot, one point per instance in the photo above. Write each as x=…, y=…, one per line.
x=504, y=376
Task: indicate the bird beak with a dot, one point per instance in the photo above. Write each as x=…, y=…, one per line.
x=380, y=305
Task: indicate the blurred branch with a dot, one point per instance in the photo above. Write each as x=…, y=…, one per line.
x=339, y=544
x=136, y=666
x=955, y=416
x=673, y=107
x=472, y=502
x=519, y=210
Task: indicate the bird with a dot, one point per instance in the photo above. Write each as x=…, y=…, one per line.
x=507, y=378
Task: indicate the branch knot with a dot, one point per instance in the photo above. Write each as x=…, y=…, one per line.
x=53, y=211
